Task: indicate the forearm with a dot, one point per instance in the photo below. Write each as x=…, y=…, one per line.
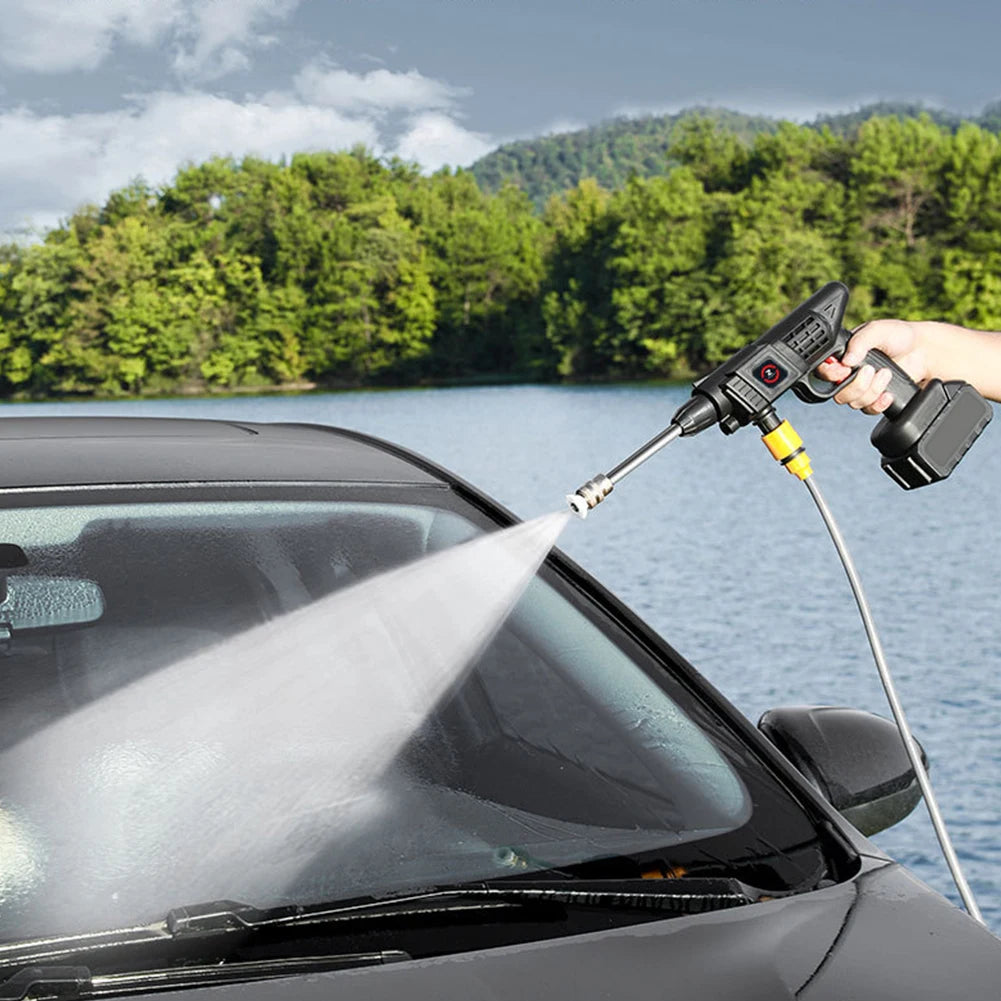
x=958, y=353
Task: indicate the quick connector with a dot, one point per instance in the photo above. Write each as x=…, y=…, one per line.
x=787, y=447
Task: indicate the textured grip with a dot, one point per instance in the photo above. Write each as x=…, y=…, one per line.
x=902, y=387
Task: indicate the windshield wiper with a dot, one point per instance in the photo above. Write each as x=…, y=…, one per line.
x=687, y=895
x=69, y=982
x=207, y=936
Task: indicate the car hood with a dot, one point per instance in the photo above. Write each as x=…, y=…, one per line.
x=901, y=940
x=883, y=936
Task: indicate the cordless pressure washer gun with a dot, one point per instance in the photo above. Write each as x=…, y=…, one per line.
x=922, y=436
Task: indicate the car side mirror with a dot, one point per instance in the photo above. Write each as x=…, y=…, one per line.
x=855, y=759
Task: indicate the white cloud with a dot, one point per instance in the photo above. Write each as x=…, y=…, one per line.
x=434, y=140
x=208, y=37
x=53, y=36
x=377, y=91
x=51, y=164
x=216, y=34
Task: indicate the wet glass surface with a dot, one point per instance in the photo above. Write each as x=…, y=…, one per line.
x=293, y=702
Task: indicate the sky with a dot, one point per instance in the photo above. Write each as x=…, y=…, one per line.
x=94, y=93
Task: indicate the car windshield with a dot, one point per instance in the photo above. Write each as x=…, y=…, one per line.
x=187, y=715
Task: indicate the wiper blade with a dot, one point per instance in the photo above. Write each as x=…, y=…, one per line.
x=70, y=982
x=225, y=921
x=51, y=952
x=49, y=981
x=688, y=895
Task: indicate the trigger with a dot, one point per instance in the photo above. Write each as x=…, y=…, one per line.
x=811, y=388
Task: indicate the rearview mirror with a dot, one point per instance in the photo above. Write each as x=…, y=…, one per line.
x=37, y=602
x=856, y=761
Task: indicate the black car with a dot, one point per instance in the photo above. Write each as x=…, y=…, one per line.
x=209, y=780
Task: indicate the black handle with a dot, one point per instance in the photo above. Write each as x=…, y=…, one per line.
x=902, y=387
x=811, y=388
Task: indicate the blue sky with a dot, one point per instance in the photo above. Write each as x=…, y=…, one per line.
x=96, y=92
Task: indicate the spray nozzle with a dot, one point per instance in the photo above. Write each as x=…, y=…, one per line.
x=590, y=495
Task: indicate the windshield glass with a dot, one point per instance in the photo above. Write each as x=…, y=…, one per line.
x=200, y=714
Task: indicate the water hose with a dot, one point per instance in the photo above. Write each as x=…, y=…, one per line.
x=787, y=448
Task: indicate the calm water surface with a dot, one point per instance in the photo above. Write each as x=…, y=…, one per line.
x=724, y=553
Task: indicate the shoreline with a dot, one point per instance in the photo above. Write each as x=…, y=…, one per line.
x=318, y=389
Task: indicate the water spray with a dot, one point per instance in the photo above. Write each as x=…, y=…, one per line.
x=922, y=437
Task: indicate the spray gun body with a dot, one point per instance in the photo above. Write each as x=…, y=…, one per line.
x=745, y=387
x=922, y=435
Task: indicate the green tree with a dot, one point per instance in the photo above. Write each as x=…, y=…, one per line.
x=895, y=167
x=485, y=258
x=370, y=302
x=780, y=238
x=38, y=294
x=117, y=311
x=716, y=157
x=659, y=273
x=577, y=291
x=966, y=288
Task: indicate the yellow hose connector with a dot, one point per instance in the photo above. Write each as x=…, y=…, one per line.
x=787, y=447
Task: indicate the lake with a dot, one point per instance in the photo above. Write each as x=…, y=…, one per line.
x=724, y=553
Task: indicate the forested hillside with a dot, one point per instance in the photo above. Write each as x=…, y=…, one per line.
x=340, y=269
x=612, y=152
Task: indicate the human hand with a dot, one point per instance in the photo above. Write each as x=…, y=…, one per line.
x=899, y=340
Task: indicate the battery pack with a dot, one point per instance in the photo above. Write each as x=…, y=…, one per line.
x=924, y=443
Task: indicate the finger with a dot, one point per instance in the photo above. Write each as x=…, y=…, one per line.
x=863, y=339
x=854, y=394
x=833, y=371
x=875, y=392
x=882, y=402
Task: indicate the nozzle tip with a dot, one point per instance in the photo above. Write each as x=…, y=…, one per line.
x=589, y=495
x=578, y=505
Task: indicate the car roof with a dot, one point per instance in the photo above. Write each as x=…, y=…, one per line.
x=68, y=451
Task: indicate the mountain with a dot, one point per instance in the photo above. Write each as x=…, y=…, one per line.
x=612, y=151
x=845, y=122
